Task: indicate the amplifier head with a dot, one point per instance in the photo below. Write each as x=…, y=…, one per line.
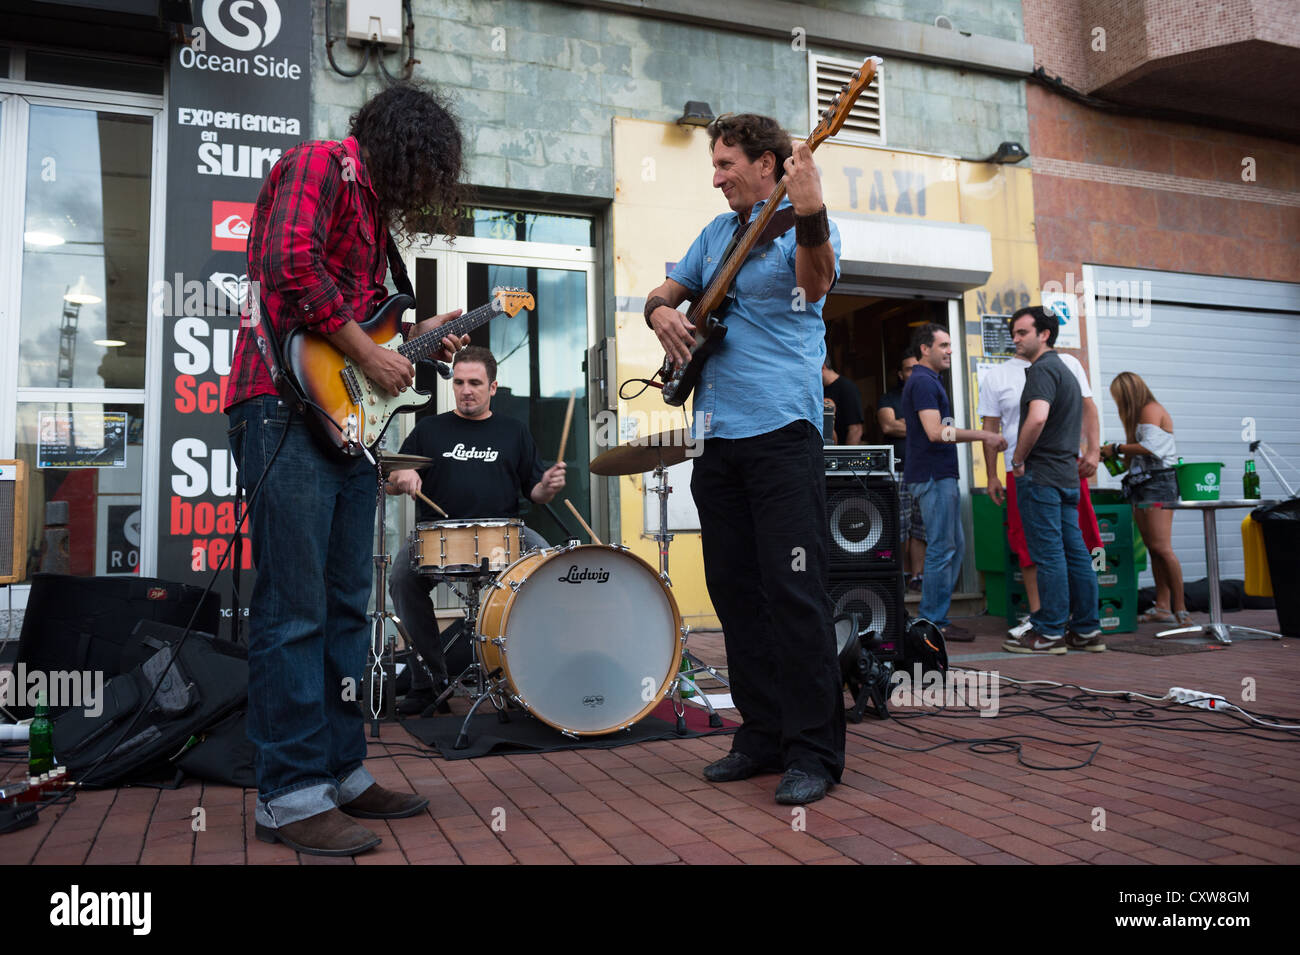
x=859, y=459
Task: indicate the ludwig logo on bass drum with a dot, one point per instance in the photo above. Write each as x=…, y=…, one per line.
x=575, y=576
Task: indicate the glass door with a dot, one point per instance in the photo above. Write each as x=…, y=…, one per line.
x=77, y=308
x=541, y=356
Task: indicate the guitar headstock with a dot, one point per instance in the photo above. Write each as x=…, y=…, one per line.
x=511, y=300
x=838, y=110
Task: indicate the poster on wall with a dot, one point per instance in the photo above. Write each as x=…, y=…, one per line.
x=240, y=92
x=81, y=439
x=995, y=335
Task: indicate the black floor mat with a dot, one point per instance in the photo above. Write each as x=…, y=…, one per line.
x=524, y=734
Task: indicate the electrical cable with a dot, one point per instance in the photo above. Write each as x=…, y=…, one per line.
x=330, y=40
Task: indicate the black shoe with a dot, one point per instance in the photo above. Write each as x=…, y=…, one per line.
x=417, y=701
x=797, y=788
x=732, y=767
x=955, y=634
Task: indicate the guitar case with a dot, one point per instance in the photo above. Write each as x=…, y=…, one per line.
x=200, y=682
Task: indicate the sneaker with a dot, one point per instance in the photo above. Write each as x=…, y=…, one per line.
x=916, y=585
x=1089, y=640
x=1020, y=629
x=1031, y=641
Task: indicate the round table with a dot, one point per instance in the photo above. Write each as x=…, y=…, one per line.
x=1216, y=627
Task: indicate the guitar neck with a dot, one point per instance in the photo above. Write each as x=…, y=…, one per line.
x=425, y=345
x=717, y=289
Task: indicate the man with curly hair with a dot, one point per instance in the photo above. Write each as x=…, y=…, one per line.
x=317, y=255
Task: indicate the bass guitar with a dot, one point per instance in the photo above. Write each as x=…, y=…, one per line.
x=707, y=312
x=346, y=411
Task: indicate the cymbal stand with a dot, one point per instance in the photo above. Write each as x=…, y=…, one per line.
x=383, y=647
x=692, y=664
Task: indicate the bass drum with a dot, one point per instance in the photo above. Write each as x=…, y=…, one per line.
x=588, y=637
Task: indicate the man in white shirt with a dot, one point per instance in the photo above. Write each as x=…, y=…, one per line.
x=999, y=406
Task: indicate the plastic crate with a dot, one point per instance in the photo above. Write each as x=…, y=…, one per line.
x=1118, y=613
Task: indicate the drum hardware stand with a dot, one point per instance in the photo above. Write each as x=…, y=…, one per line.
x=382, y=645
x=694, y=664
x=472, y=599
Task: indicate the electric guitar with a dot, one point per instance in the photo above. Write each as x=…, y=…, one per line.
x=346, y=411
x=707, y=312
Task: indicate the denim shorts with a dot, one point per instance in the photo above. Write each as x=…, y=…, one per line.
x=1152, y=487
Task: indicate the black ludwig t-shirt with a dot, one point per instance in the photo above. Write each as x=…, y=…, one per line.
x=480, y=467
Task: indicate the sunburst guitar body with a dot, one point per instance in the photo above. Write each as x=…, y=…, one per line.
x=347, y=412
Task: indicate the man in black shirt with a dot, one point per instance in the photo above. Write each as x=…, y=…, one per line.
x=889, y=415
x=482, y=464
x=1047, y=492
x=848, y=405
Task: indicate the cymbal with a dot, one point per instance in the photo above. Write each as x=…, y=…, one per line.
x=401, y=462
x=645, y=454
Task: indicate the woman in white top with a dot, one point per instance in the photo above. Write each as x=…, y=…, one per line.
x=1151, y=454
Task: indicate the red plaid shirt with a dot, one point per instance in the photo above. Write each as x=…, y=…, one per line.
x=316, y=252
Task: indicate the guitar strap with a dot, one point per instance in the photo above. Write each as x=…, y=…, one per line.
x=782, y=221
x=395, y=265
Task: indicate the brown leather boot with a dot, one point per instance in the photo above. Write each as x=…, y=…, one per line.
x=380, y=803
x=328, y=833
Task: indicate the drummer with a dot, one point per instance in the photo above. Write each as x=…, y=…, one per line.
x=482, y=464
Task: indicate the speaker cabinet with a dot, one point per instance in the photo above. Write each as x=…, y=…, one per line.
x=13, y=521
x=862, y=518
x=878, y=601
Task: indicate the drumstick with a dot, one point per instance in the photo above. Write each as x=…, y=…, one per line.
x=431, y=504
x=585, y=526
x=568, y=420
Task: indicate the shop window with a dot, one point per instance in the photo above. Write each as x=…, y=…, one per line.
x=85, y=303
x=85, y=469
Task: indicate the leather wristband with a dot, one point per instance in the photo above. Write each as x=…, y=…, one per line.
x=650, y=306
x=812, y=231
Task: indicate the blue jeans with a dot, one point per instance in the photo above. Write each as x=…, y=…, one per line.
x=945, y=545
x=312, y=529
x=1067, y=583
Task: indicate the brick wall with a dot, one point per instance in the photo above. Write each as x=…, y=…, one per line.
x=1159, y=195
x=1089, y=43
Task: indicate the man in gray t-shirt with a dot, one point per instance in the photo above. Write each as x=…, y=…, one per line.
x=1047, y=481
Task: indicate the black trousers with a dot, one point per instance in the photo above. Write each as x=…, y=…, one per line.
x=762, y=506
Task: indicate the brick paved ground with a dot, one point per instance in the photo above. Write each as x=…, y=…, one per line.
x=1167, y=797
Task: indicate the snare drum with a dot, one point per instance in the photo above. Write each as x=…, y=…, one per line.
x=588, y=637
x=457, y=548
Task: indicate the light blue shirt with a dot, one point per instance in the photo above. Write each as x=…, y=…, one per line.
x=768, y=370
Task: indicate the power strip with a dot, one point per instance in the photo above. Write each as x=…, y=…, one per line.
x=1197, y=698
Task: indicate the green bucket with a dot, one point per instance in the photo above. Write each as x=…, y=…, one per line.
x=1199, y=482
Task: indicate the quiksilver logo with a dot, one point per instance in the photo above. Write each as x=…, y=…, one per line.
x=575, y=576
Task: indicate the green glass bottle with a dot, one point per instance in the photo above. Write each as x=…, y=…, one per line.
x=686, y=685
x=1115, y=464
x=1250, y=481
x=40, y=740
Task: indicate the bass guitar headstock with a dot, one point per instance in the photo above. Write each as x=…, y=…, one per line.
x=838, y=111
x=511, y=300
